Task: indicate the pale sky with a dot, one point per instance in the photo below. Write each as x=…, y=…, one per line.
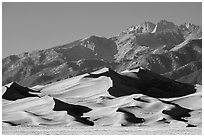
x=33, y=26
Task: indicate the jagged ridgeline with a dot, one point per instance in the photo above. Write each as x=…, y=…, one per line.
x=174, y=51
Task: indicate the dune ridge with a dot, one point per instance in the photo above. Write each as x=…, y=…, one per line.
x=138, y=98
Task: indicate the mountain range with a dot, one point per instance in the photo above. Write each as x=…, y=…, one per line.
x=173, y=51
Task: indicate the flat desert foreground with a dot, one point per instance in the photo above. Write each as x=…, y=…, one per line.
x=100, y=131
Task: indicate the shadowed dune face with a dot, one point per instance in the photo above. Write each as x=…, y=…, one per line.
x=105, y=98
x=73, y=110
x=16, y=91
x=145, y=82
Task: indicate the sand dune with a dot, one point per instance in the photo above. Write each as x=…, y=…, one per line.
x=137, y=98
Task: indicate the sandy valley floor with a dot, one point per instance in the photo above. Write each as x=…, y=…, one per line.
x=100, y=131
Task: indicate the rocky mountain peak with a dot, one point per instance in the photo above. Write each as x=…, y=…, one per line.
x=164, y=25
x=188, y=25
x=142, y=28
x=191, y=30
